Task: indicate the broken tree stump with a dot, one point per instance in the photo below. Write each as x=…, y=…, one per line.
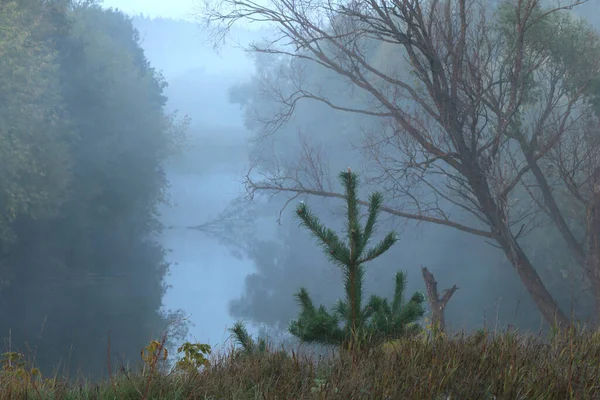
x=436, y=303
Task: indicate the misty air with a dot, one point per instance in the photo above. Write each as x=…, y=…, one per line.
x=298, y=199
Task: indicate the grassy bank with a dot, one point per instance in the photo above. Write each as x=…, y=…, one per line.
x=478, y=366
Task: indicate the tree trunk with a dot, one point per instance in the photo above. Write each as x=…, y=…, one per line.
x=352, y=298
x=529, y=276
x=592, y=262
x=574, y=246
x=513, y=251
x=437, y=305
x=588, y=258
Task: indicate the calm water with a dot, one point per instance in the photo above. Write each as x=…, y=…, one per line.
x=205, y=276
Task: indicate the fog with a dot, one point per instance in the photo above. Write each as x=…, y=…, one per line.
x=182, y=9
x=207, y=278
x=150, y=188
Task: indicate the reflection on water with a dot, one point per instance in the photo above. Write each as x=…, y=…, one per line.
x=204, y=275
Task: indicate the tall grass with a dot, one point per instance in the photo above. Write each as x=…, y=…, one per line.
x=483, y=365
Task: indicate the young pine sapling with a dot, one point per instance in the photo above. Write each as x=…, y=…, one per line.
x=349, y=321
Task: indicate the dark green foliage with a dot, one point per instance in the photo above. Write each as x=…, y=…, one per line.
x=79, y=256
x=574, y=47
x=391, y=320
x=243, y=338
x=33, y=131
x=377, y=321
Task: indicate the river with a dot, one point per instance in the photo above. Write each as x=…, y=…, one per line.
x=204, y=275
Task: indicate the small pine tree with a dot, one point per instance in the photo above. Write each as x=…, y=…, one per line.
x=378, y=320
x=243, y=338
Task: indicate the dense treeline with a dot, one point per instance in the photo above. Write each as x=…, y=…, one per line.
x=83, y=137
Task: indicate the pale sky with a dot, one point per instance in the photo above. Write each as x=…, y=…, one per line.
x=177, y=9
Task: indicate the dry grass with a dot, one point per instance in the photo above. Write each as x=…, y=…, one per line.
x=479, y=366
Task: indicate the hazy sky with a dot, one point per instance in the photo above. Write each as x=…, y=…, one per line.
x=154, y=8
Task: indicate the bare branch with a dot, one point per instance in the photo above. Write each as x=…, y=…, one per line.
x=423, y=218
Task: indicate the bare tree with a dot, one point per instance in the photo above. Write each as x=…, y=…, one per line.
x=483, y=104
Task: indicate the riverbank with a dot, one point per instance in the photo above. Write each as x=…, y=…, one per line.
x=483, y=366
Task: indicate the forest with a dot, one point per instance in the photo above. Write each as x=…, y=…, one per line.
x=466, y=134
x=83, y=141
